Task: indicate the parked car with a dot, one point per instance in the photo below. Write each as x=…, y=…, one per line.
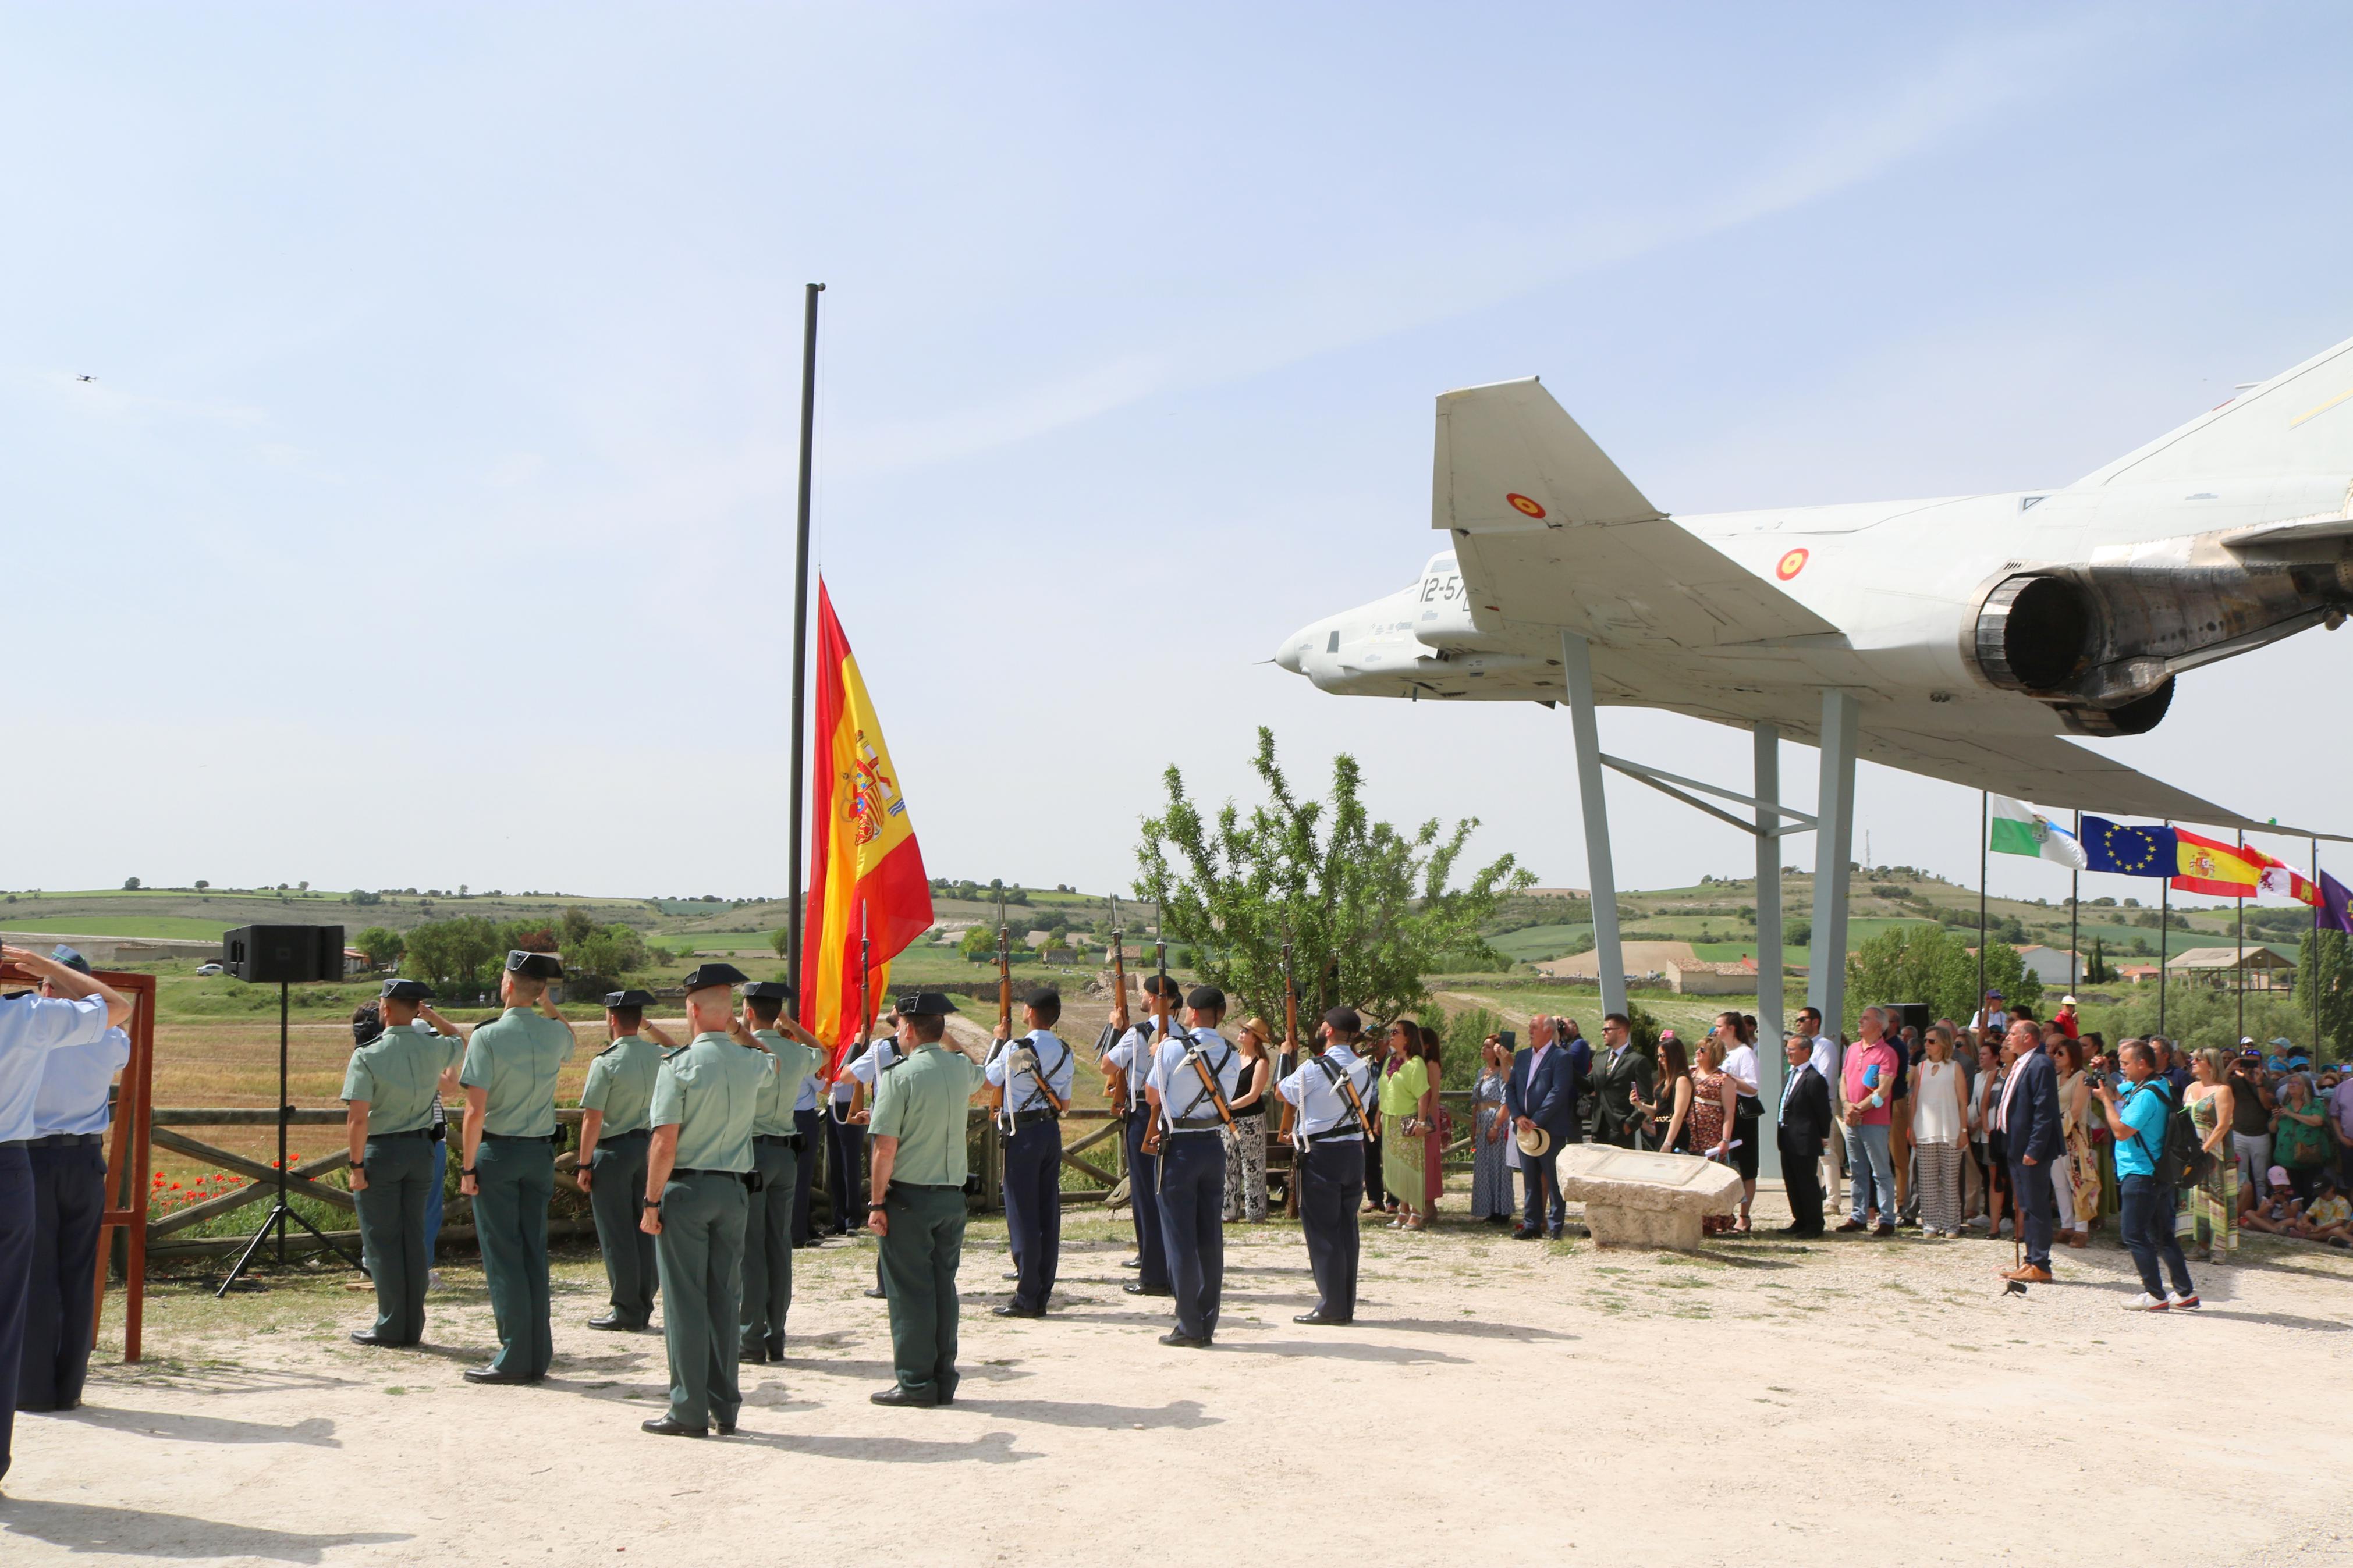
x=210, y=969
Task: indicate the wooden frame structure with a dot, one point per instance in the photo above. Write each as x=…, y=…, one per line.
x=126, y=1157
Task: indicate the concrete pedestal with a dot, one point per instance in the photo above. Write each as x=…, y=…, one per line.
x=1637, y=1199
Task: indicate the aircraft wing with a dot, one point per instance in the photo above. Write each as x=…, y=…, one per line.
x=1546, y=530
x=2051, y=772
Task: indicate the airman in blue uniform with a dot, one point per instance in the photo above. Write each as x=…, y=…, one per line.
x=1035, y=1073
x=1195, y=1072
x=1333, y=1093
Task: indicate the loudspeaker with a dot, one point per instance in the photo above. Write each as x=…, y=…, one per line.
x=284, y=955
x=1919, y=1014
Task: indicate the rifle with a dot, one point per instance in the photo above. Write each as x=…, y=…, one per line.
x=1153, y=1134
x=1116, y=1087
x=1004, y=998
x=1289, y=1064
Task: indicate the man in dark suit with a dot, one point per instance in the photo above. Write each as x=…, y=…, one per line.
x=2028, y=1118
x=1805, y=1121
x=1581, y=1061
x=1618, y=1074
x=1541, y=1096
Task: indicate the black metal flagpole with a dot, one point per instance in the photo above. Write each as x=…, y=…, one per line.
x=800, y=630
x=2313, y=969
x=2163, y=937
x=1985, y=1013
x=2074, y=915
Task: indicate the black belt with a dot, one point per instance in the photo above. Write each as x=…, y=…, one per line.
x=742, y=1176
x=64, y=1140
x=1198, y=1123
x=926, y=1187
x=1028, y=1118
x=553, y=1137
x=605, y=1138
x=412, y=1132
x=1335, y=1135
x=786, y=1139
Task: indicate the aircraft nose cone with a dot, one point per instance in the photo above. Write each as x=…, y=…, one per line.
x=1287, y=656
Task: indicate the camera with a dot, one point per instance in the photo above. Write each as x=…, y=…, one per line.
x=1507, y=1038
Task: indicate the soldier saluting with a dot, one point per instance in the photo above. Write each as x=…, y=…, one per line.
x=509, y=1164
x=917, y=1207
x=776, y=1148
x=698, y=1165
x=388, y=1092
x=1330, y=1091
x=613, y=1136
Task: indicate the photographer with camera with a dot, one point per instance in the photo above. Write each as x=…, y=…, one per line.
x=2138, y=1123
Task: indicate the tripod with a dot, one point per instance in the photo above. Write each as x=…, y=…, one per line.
x=280, y=1211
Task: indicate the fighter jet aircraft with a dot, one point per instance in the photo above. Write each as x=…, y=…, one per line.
x=1973, y=631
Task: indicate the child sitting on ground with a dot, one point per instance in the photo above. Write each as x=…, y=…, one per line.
x=2328, y=1218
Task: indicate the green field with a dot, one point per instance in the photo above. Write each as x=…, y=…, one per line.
x=178, y=927
x=1534, y=945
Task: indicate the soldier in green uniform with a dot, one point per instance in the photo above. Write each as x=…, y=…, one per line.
x=612, y=1138
x=509, y=1165
x=388, y=1093
x=776, y=1155
x=917, y=1206
x=696, y=1172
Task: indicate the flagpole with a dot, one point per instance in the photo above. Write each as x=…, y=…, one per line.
x=800, y=640
x=1985, y=827
x=2164, y=936
x=2075, y=914
x=2240, y=936
x=2316, y=948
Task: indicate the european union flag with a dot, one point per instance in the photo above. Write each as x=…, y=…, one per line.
x=2127, y=851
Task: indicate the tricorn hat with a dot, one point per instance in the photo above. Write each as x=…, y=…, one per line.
x=703, y=976
x=767, y=991
x=407, y=991
x=925, y=1005
x=534, y=965
x=617, y=1000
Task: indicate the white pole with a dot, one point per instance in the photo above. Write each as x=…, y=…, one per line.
x=1609, y=957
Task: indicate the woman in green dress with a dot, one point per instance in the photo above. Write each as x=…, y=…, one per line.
x=2213, y=1215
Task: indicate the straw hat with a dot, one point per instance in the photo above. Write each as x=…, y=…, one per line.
x=1534, y=1141
x=1261, y=1027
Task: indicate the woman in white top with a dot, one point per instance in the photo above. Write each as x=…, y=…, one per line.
x=1940, y=1123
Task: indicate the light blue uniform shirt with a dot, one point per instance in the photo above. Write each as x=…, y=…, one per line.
x=514, y=1059
x=72, y=1098
x=1053, y=1059
x=1183, y=1096
x=32, y=1028
x=1322, y=1105
x=805, y=1097
x=1132, y=1056
x=879, y=1055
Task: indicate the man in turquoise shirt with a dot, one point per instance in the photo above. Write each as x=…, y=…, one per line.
x=510, y=1160
x=696, y=1172
x=776, y=1145
x=918, y=1204
x=614, y=1134
x=388, y=1093
x=2137, y=1123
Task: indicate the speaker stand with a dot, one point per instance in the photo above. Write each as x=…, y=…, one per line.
x=281, y=1211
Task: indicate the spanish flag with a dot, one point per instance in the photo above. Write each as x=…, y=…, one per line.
x=864, y=864
x=2224, y=870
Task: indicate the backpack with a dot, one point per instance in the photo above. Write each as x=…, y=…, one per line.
x=2184, y=1161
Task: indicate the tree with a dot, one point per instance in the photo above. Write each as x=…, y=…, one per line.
x=452, y=956
x=2324, y=967
x=383, y=947
x=202, y=884
x=1368, y=909
x=979, y=942
x=604, y=955
x=1929, y=964
x=359, y=895
x=130, y=884
x=781, y=939
x=2097, y=970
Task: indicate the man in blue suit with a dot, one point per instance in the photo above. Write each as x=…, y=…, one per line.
x=2028, y=1117
x=1542, y=1097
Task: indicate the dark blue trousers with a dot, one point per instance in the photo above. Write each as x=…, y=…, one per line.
x=811, y=1125
x=2031, y=1187
x=1144, y=1204
x=1331, y=1186
x=1192, y=1227
x=68, y=1200
x=15, y=1279
x=1033, y=1209
x=1545, y=1208
x=845, y=1174
x=2149, y=1232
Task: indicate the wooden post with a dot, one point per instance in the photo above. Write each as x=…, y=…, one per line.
x=127, y=1166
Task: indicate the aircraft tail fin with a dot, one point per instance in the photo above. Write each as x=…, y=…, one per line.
x=2299, y=422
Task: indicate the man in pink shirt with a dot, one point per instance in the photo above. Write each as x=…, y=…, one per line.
x=1866, y=1105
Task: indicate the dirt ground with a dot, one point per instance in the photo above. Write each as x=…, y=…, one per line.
x=1764, y=1401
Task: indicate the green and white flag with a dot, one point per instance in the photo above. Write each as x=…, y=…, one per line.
x=2018, y=828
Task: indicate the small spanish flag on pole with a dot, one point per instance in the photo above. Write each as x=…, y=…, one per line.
x=2209, y=866
x=863, y=854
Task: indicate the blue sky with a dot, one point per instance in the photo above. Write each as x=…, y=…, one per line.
x=429, y=519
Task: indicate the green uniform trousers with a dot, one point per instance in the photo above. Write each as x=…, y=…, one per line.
x=515, y=1178
x=702, y=1252
x=392, y=1233
x=768, y=1248
x=919, y=1275
x=616, y=1196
